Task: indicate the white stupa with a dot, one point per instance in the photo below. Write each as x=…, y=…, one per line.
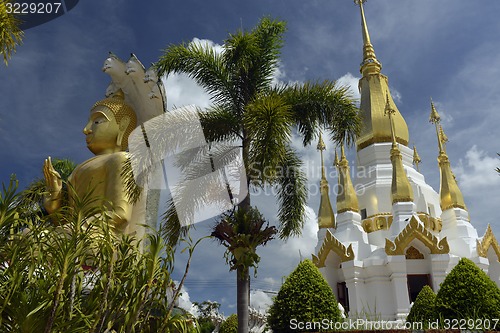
x=399, y=234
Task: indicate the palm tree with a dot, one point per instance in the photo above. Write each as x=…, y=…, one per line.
x=249, y=110
x=10, y=33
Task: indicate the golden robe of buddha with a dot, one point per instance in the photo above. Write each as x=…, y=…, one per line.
x=110, y=123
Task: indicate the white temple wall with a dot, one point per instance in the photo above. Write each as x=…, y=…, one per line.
x=459, y=231
x=378, y=300
x=494, y=266
x=332, y=271
x=397, y=268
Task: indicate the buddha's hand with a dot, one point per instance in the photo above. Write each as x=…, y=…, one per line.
x=53, y=182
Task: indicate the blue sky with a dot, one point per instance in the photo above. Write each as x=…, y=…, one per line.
x=445, y=49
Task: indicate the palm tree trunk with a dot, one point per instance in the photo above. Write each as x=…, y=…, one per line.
x=243, y=298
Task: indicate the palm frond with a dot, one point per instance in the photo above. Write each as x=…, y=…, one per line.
x=251, y=59
x=268, y=121
x=220, y=124
x=292, y=196
x=132, y=190
x=200, y=62
x=316, y=105
x=10, y=34
x=171, y=228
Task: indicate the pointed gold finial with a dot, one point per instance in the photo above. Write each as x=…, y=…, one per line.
x=370, y=64
x=389, y=111
x=443, y=139
x=401, y=190
x=321, y=146
x=416, y=158
x=435, y=118
x=347, y=199
x=326, y=217
x=451, y=196
x=336, y=159
x=373, y=85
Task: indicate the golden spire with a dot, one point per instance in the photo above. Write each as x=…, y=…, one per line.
x=442, y=138
x=374, y=87
x=346, y=198
x=321, y=146
x=416, y=158
x=326, y=217
x=400, y=188
x=370, y=64
x=451, y=196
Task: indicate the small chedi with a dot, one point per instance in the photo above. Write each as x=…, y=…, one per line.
x=397, y=234
x=133, y=97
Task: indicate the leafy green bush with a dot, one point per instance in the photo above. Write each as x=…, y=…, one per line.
x=230, y=325
x=423, y=309
x=76, y=279
x=305, y=297
x=467, y=292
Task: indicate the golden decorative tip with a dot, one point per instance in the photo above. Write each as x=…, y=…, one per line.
x=434, y=117
x=347, y=199
x=321, y=144
x=336, y=159
x=442, y=136
x=401, y=189
x=370, y=64
x=416, y=158
x=342, y=152
x=389, y=111
x=449, y=192
x=373, y=86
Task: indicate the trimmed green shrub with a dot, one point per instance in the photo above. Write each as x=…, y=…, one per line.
x=304, y=297
x=467, y=292
x=230, y=325
x=423, y=309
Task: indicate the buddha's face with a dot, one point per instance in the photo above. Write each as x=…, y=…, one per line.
x=102, y=131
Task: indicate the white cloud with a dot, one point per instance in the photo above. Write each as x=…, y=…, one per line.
x=185, y=303
x=396, y=95
x=477, y=171
x=304, y=245
x=350, y=81
x=207, y=43
x=182, y=90
x=260, y=300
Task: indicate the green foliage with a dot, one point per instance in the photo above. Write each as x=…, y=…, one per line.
x=250, y=111
x=467, y=292
x=10, y=33
x=423, y=310
x=241, y=233
x=206, y=309
x=230, y=325
x=79, y=276
x=306, y=297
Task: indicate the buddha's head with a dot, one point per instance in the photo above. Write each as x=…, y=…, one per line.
x=110, y=123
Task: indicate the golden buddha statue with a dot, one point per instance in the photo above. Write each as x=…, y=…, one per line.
x=110, y=122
